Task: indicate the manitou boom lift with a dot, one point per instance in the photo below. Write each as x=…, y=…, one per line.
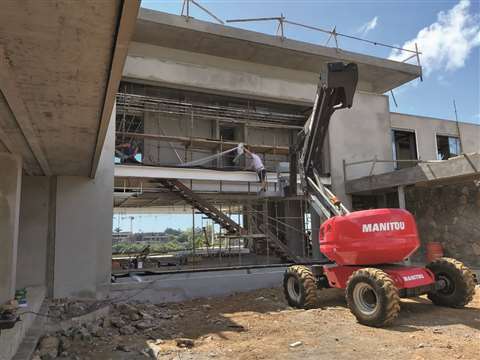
x=366, y=249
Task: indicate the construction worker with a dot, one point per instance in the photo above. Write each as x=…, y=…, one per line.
x=257, y=165
x=127, y=153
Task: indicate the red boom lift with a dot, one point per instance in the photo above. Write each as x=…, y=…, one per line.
x=366, y=249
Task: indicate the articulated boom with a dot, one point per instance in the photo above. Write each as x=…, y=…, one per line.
x=336, y=88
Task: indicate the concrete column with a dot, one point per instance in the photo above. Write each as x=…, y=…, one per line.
x=294, y=231
x=401, y=197
x=33, y=234
x=83, y=229
x=10, y=189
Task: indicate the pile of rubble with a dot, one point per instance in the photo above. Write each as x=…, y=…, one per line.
x=75, y=324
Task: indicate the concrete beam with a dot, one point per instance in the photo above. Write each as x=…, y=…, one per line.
x=126, y=25
x=162, y=172
x=15, y=101
x=168, y=30
x=181, y=287
x=429, y=173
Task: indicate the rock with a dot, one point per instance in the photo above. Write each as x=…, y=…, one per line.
x=143, y=325
x=127, y=330
x=65, y=344
x=134, y=316
x=149, y=352
x=295, y=344
x=49, y=347
x=126, y=309
x=206, y=306
x=85, y=334
x=437, y=331
x=476, y=249
x=100, y=332
x=159, y=342
x=123, y=348
x=185, y=343
x=420, y=346
x=260, y=298
x=146, y=316
x=76, y=309
x=118, y=323
x=164, y=316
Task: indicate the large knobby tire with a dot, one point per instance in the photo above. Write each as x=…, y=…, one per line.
x=300, y=287
x=372, y=297
x=459, y=283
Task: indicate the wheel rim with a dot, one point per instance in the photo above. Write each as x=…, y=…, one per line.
x=293, y=288
x=365, y=298
x=449, y=284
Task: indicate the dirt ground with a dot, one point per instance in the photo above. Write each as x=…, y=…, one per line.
x=260, y=325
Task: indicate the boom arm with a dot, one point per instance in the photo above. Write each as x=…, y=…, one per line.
x=336, y=88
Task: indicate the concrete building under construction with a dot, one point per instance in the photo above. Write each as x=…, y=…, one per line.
x=183, y=91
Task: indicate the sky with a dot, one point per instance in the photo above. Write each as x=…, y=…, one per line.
x=159, y=222
x=447, y=34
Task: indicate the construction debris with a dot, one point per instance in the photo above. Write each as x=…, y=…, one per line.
x=224, y=328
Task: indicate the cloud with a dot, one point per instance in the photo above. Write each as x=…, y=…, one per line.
x=447, y=43
x=368, y=26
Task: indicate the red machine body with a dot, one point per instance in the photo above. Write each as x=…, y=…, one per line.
x=404, y=277
x=369, y=237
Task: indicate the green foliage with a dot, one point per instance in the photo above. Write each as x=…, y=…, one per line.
x=177, y=240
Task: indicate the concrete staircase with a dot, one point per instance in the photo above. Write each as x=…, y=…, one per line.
x=202, y=205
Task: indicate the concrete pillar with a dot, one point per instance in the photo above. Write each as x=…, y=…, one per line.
x=10, y=189
x=33, y=234
x=83, y=229
x=401, y=197
x=294, y=231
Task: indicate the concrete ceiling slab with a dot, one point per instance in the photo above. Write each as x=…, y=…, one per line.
x=168, y=30
x=59, y=55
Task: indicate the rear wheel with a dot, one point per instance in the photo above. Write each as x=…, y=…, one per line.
x=300, y=287
x=457, y=280
x=372, y=297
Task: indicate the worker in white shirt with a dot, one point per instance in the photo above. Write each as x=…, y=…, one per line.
x=257, y=165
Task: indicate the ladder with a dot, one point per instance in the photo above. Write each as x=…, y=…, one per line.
x=202, y=205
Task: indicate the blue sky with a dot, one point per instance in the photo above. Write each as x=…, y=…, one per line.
x=448, y=34
x=159, y=222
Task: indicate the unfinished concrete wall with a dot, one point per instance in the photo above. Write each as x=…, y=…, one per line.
x=163, y=152
x=196, y=71
x=450, y=215
x=83, y=231
x=427, y=129
x=360, y=133
x=10, y=186
x=33, y=235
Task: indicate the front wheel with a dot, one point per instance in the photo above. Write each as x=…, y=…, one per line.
x=457, y=281
x=372, y=297
x=300, y=287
